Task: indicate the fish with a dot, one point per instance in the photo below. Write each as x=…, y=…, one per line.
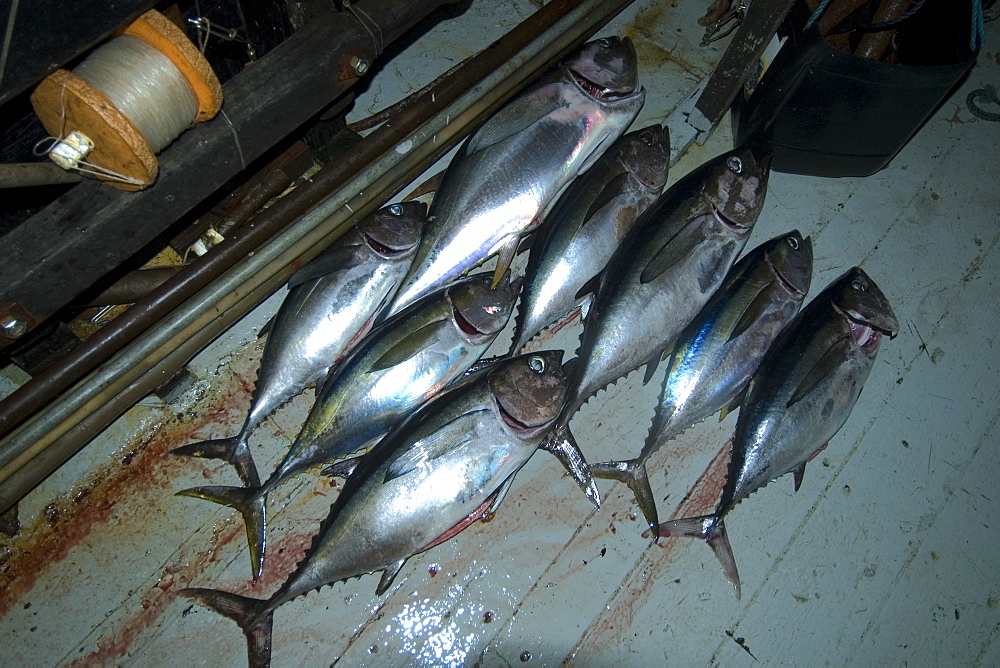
x=513, y=167
x=662, y=274
x=429, y=478
x=331, y=305
x=800, y=396
x=715, y=356
x=585, y=227
x=399, y=366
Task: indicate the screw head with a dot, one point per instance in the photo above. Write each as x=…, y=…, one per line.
x=13, y=328
x=359, y=65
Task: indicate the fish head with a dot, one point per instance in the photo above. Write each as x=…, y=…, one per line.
x=396, y=229
x=645, y=154
x=735, y=184
x=857, y=298
x=791, y=259
x=606, y=68
x=479, y=311
x=530, y=391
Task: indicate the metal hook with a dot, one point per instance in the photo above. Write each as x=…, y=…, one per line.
x=734, y=17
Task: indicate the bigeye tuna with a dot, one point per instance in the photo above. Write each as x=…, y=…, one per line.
x=664, y=272
x=398, y=368
x=509, y=171
x=428, y=479
x=586, y=226
x=798, y=399
x=331, y=304
x=715, y=356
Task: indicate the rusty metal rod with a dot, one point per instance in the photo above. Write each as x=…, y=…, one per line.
x=25, y=174
x=874, y=44
x=539, y=40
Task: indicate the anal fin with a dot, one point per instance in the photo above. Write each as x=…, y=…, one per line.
x=389, y=574
x=342, y=469
x=505, y=257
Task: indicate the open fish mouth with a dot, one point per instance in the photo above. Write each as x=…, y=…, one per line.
x=866, y=336
x=596, y=91
x=382, y=249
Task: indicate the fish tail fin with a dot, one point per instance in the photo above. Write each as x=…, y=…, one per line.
x=561, y=443
x=252, y=614
x=233, y=450
x=632, y=472
x=712, y=530
x=251, y=502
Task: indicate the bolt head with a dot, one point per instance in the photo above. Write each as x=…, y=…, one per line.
x=359, y=65
x=13, y=328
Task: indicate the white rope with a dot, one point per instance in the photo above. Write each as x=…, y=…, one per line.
x=144, y=86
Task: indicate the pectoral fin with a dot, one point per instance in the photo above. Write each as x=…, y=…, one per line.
x=516, y=117
x=611, y=190
x=754, y=311
x=328, y=262
x=409, y=346
x=672, y=252
x=821, y=370
x=445, y=439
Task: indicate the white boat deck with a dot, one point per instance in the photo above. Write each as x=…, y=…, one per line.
x=887, y=555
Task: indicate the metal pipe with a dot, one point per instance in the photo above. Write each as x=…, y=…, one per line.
x=131, y=287
x=41, y=390
x=293, y=247
x=24, y=174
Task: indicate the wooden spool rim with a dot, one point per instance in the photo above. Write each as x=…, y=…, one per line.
x=160, y=33
x=66, y=103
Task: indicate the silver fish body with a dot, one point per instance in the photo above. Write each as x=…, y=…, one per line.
x=399, y=366
x=807, y=385
x=715, y=356
x=331, y=305
x=664, y=273
x=586, y=226
x=510, y=170
x=798, y=399
x=431, y=476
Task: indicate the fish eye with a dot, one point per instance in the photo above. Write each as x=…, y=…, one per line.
x=858, y=285
x=396, y=210
x=604, y=43
x=647, y=138
x=536, y=364
x=793, y=242
x=735, y=164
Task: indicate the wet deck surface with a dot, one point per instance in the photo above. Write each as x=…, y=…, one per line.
x=886, y=555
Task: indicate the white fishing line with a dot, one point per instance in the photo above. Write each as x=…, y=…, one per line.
x=144, y=86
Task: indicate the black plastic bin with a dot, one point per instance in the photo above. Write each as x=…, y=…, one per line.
x=826, y=112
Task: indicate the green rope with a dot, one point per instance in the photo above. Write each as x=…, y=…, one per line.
x=989, y=94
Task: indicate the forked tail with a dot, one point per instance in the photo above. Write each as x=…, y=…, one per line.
x=712, y=530
x=252, y=614
x=233, y=450
x=251, y=502
x=561, y=443
x=632, y=472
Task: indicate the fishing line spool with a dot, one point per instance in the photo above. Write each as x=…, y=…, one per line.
x=126, y=102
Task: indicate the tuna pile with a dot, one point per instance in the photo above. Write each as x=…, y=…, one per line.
x=391, y=329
